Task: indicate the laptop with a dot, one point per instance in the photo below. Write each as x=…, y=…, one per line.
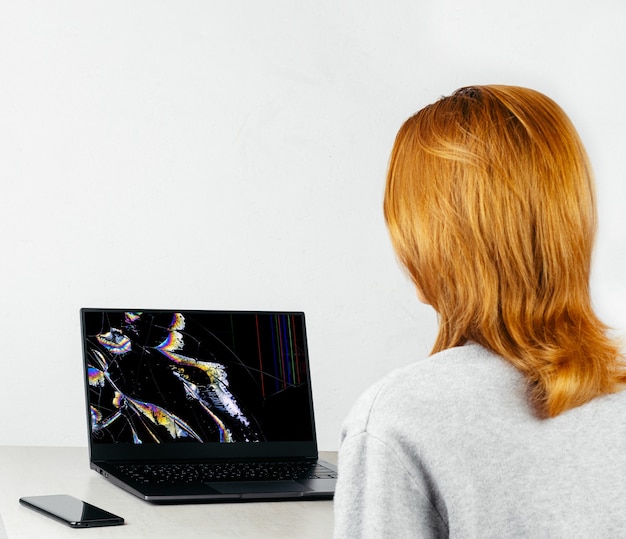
x=202, y=406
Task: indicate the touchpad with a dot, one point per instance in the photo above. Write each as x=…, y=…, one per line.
x=257, y=487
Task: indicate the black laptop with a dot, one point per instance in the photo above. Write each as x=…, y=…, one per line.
x=192, y=406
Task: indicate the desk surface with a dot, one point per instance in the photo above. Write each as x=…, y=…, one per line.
x=33, y=471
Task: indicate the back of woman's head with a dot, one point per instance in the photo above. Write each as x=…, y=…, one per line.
x=490, y=207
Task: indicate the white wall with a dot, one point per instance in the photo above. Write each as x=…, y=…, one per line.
x=205, y=154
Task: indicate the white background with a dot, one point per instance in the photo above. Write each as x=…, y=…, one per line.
x=231, y=155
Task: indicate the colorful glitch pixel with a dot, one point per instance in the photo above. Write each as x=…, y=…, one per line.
x=281, y=353
x=157, y=376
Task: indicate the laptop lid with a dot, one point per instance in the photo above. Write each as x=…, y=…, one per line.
x=175, y=384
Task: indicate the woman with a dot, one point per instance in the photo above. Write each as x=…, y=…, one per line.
x=516, y=424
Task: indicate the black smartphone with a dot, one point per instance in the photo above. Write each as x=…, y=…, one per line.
x=71, y=511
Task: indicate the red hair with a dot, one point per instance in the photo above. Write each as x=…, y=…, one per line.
x=490, y=207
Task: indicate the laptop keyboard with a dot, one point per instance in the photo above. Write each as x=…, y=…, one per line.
x=189, y=473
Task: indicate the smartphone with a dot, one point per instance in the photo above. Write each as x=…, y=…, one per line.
x=71, y=511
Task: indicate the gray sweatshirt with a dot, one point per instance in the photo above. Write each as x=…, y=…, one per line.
x=449, y=447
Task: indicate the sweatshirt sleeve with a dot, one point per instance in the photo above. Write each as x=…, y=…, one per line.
x=376, y=495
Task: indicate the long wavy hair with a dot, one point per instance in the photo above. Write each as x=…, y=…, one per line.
x=490, y=207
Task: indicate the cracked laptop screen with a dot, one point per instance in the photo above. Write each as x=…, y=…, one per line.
x=189, y=377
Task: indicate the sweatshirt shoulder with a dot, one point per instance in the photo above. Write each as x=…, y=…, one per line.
x=443, y=380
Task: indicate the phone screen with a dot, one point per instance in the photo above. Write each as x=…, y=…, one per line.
x=71, y=510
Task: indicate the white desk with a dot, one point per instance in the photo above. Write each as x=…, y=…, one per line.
x=33, y=471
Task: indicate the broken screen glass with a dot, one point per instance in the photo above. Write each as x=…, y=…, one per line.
x=189, y=377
